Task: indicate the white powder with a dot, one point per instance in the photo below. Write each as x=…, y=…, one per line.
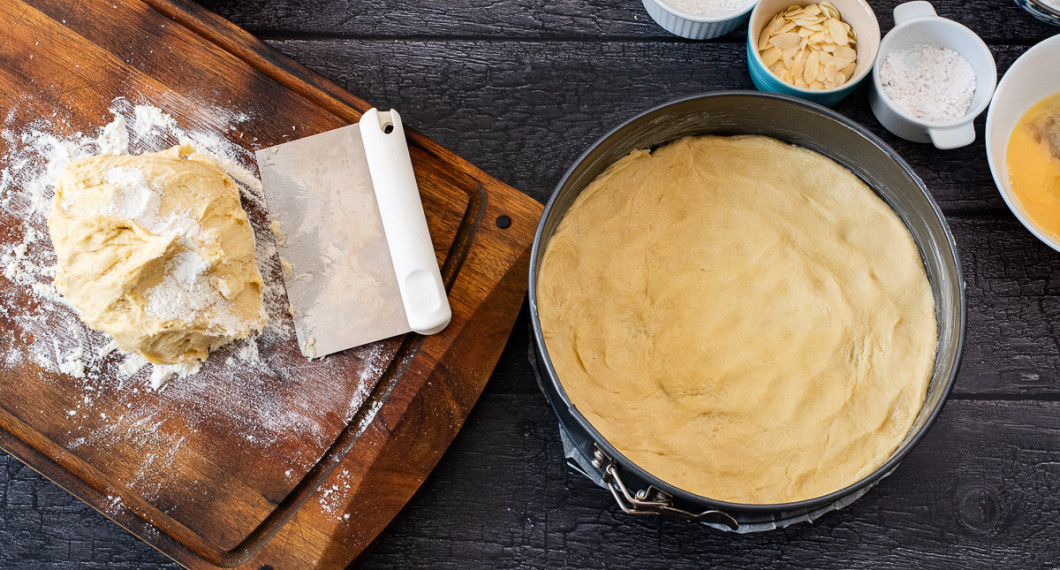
x=708, y=8
x=34, y=158
x=114, y=139
x=250, y=389
x=71, y=363
x=132, y=364
x=185, y=294
x=151, y=120
x=134, y=198
x=187, y=267
x=161, y=374
x=206, y=143
x=928, y=82
x=334, y=498
x=1054, y=4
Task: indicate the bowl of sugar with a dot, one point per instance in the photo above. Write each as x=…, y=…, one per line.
x=932, y=78
x=699, y=19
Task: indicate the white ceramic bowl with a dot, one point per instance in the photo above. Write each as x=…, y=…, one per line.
x=696, y=27
x=1041, y=10
x=1031, y=78
x=916, y=23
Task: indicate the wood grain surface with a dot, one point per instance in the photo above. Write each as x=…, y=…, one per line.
x=521, y=88
x=193, y=477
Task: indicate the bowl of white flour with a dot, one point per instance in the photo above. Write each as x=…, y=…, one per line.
x=699, y=19
x=932, y=78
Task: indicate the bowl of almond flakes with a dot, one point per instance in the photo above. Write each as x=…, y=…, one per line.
x=814, y=51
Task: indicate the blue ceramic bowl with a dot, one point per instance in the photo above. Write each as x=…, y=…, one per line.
x=1041, y=11
x=857, y=13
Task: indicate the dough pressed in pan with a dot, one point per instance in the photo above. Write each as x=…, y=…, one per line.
x=743, y=318
x=157, y=251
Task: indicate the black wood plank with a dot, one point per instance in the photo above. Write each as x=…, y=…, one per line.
x=524, y=111
x=997, y=21
x=521, y=87
x=1012, y=346
x=42, y=526
x=971, y=495
x=981, y=490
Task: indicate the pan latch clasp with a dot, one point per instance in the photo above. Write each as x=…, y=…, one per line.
x=652, y=500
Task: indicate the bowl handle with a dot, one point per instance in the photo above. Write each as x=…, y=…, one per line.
x=911, y=10
x=946, y=138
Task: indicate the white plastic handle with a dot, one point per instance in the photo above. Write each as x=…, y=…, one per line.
x=952, y=137
x=911, y=10
x=411, y=251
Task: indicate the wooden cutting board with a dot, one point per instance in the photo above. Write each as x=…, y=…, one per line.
x=289, y=463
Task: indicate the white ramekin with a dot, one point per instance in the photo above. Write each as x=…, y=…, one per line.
x=917, y=23
x=696, y=27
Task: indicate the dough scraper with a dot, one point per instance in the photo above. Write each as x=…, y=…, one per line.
x=357, y=258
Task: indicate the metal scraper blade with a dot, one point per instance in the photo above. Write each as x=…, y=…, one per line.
x=338, y=271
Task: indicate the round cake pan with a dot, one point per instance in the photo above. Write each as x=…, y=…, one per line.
x=810, y=126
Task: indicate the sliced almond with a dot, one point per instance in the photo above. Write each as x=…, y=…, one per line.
x=848, y=71
x=846, y=53
x=763, y=40
x=809, y=46
x=838, y=32
x=830, y=71
x=785, y=41
x=807, y=22
x=809, y=74
x=798, y=68
x=771, y=56
x=774, y=26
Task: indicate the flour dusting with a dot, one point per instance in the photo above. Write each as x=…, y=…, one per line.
x=258, y=389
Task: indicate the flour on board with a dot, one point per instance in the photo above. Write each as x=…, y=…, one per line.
x=235, y=390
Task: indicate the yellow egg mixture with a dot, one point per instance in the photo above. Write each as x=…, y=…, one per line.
x=1033, y=163
x=742, y=318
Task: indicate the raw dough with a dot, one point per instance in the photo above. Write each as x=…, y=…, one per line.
x=157, y=251
x=742, y=318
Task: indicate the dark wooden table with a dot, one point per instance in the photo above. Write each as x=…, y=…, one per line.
x=521, y=88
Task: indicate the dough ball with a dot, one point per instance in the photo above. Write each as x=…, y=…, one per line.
x=156, y=251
